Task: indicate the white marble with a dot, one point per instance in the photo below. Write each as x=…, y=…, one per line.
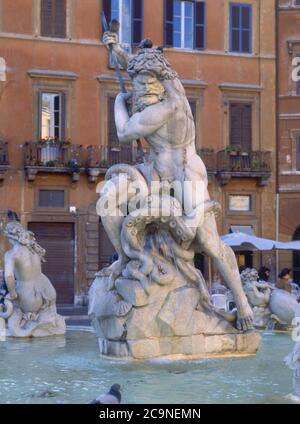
x=293, y=359
x=154, y=284
x=29, y=308
x=268, y=302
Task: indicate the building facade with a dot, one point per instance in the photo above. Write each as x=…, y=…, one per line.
x=289, y=130
x=57, y=133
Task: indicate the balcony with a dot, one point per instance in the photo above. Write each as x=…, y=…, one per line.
x=53, y=157
x=100, y=158
x=236, y=164
x=4, y=161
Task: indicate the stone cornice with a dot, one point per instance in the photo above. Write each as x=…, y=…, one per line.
x=49, y=73
x=111, y=78
x=227, y=86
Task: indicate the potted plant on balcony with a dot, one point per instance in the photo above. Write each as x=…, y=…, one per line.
x=74, y=168
x=51, y=148
x=104, y=163
x=205, y=150
x=54, y=141
x=232, y=150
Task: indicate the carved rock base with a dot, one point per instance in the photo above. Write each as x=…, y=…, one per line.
x=170, y=322
x=189, y=347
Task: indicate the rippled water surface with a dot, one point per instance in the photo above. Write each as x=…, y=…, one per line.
x=70, y=370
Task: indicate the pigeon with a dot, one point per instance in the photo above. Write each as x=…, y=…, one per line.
x=113, y=397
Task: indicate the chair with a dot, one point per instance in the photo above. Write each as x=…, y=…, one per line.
x=220, y=301
x=230, y=301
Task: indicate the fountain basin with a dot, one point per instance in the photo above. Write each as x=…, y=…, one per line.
x=70, y=370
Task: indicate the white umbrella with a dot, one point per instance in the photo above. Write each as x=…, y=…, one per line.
x=244, y=240
x=290, y=245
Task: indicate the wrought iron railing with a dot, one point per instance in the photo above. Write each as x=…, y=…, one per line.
x=54, y=155
x=246, y=162
x=106, y=156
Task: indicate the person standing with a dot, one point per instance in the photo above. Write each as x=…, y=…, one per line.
x=284, y=282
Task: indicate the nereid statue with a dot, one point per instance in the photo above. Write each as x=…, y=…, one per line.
x=153, y=301
x=29, y=308
x=268, y=303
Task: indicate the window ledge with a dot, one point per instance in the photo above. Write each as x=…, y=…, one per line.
x=290, y=173
x=227, y=86
x=187, y=83
x=32, y=171
x=111, y=78
x=225, y=53
x=48, y=73
x=194, y=83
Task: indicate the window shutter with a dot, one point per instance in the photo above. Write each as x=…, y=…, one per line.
x=46, y=18
x=106, y=7
x=235, y=125
x=60, y=17
x=39, y=115
x=241, y=126
x=193, y=109
x=246, y=32
x=63, y=114
x=112, y=130
x=137, y=21
x=235, y=25
x=246, y=127
x=199, y=42
x=168, y=42
x=53, y=18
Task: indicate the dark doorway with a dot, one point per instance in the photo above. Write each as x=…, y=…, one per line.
x=244, y=258
x=106, y=249
x=199, y=262
x=59, y=241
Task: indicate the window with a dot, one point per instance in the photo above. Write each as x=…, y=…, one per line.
x=193, y=106
x=240, y=28
x=112, y=130
x=241, y=126
x=244, y=259
x=52, y=115
x=116, y=153
x=51, y=199
x=185, y=24
x=239, y=203
x=53, y=18
x=130, y=15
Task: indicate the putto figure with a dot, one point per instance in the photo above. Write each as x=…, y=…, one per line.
x=158, y=249
x=29, y=308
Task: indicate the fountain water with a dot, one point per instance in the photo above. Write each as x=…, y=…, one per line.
x=69, y=370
